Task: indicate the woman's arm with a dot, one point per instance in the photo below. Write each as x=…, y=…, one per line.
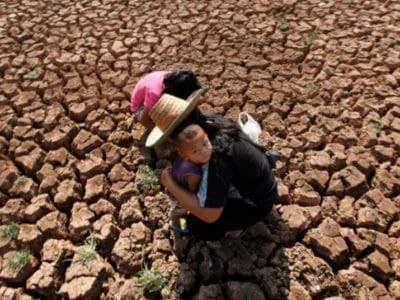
x=189, y=200
x=145, y=119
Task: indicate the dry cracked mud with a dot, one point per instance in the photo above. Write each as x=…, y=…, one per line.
x=321, y=76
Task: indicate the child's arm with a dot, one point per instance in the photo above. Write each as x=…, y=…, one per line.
x=193, y=182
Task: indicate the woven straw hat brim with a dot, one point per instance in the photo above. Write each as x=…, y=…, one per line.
x=157, y=136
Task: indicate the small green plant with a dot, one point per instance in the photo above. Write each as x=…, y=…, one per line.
x=33, y=74
x=149, y=281
x=313, y=36
x=332, y=114
x=114, y=15
x=377, y=126
x=359, y=150
x=313, y=85
x=148, y=179
x=87, y=252
x=20, y=181
x=8, y=128
x=283, y=25
x=367, y=30
x=274, y=72
x=19, y=260
x=394, y=43
x=47, y=96
x=11, y=231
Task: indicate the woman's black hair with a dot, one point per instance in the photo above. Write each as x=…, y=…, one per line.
x=221, y=131
x=181, y=83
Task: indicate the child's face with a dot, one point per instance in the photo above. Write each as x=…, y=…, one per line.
x=198, y=149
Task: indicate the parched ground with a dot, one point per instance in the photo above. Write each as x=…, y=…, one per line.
x=322, y=77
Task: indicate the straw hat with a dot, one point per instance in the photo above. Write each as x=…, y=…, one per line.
x=168, y=113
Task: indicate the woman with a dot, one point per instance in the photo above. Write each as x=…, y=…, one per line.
x=238, y=187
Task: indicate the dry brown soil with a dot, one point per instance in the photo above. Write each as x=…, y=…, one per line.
x=321, y=76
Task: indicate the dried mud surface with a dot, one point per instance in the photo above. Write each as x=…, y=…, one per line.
x=322, y=77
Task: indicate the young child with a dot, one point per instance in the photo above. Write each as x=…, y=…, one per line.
x=187, y=175
x=186, y=169
x=179, y=83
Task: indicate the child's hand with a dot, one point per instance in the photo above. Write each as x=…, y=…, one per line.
x=166, y=177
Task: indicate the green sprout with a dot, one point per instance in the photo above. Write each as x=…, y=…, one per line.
x=283, y=25
x=274, y=72
x=313, y=85
x=394, y=43
x=33, y=74
x=148, y=179
x=313, y=36
x=19, y=260
x=11, y=231
x=114, y=15
x=367, y=30
x=87, y=252
x=8, y=127
x=377, y=126
x=20, y=181
x=149, y=281
x=359, y=150
x=332, y=114
x=47, y=96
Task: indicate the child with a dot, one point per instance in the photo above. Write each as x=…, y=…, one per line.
x=186, y=169
x=179, y=83
x=187, y=175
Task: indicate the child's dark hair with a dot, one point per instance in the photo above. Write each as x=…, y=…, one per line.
x=188, y=133
x=181, y=83
x=221, y=131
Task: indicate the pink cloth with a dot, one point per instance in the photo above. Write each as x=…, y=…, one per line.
x=148, y=90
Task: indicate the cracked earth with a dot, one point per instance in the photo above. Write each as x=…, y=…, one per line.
x=321, y=76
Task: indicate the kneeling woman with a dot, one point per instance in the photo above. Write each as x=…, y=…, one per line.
x=237, y=188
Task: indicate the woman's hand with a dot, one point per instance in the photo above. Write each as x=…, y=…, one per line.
x=188, y=200
x=166, y=177
x=146, y=120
